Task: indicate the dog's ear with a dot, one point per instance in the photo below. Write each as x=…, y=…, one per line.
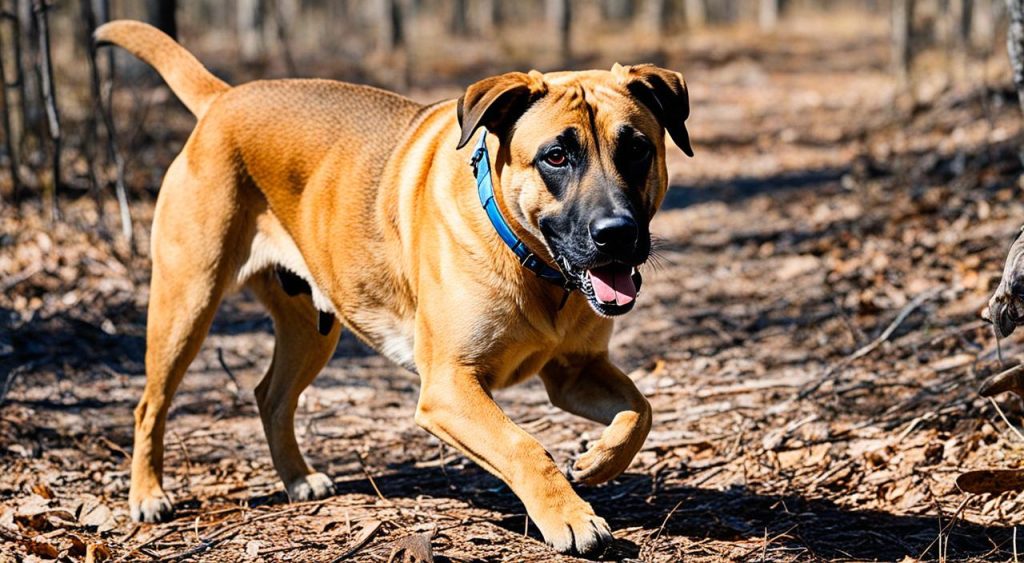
x=664, y=93
x=497, y=102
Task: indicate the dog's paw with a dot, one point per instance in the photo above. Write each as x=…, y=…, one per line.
x=153, y=509
x=600, y=464
x=579, y=532
x=608, y=457
x=314, y=486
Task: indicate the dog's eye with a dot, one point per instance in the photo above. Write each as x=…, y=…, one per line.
x=639, y=150
x=556, y=157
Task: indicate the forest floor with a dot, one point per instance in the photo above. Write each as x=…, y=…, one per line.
x=823, y=207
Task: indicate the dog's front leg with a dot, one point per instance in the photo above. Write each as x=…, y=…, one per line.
x=594, y=388
x=455, y=407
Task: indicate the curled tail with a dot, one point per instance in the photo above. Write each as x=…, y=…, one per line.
x=194, y=85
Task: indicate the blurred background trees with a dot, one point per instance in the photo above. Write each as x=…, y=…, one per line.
x=53, y=123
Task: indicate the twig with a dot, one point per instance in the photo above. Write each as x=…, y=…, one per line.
x=871, y=346
x=947, y=528
x=364, y=538
x=373, y=483
x=227, y=370
x=1006, y=420
x=665, y=521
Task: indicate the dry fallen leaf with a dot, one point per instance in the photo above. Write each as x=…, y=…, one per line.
x=991, y=481
x=97, y=552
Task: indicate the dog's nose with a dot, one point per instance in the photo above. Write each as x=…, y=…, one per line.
x=614, y=235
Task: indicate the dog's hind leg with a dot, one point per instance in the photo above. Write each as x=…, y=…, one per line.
x=300, y=352
x=191, y=270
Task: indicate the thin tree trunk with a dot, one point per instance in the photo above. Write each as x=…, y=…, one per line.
x=50, y=99
x=162, y=15
x=283, y=23
x=250, y=30
x=983, y=25
x=460, y=21
x=107, y=113
x=768, y=15
x=1015, y=45
x=618, y=10
x=655, y=16
x=12, y=153
x=390, y=28
x=490, y=16
x=560, y=18
x=902, y=35
x=696, y=14
x=86, y=26
x=26, y=63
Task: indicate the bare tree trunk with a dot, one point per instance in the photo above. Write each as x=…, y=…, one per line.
x=50, y=99
x=490, y=16
x=768, y=15
x=902, y=35
x=983, y=25
x=161, y=14
x=12, y=152
x=390, y=25
x=250, y=15
x=655, y=16
x=696, y=13
x=460, y=21
x=86, y=26
x=107, y=113
x=560, y=18
x=26, y=61
x=618, y=10
x=1015, y=45
x=283, y=17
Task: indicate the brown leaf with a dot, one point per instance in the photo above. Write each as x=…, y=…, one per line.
x=991, y=481
x=42, y=549
x=97, y=552
x=412, y=549
x=43, y=490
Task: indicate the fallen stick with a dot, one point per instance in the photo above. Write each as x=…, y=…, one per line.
x=992, y=481
x=905, y=312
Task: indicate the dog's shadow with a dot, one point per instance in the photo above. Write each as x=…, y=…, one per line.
x=790, y=523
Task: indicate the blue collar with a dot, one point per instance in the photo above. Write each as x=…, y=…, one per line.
x=481, y=163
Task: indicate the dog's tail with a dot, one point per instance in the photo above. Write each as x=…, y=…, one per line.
x=194, y=85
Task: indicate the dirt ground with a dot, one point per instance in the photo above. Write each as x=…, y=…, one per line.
x=825, y=206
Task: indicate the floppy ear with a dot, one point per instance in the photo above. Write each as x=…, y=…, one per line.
x=497, y=102
x=664, y=93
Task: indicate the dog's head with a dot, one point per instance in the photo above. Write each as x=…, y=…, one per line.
x=581, y=165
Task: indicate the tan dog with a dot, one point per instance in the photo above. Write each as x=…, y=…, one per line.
x=366, y=200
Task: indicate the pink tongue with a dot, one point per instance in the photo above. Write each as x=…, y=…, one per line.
x=613, y=285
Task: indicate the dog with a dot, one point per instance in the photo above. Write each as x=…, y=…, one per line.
x=475, y=265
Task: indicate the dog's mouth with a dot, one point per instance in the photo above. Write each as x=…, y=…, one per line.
x=610, y=289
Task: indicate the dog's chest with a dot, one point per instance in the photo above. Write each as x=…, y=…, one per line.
x=388, y=334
